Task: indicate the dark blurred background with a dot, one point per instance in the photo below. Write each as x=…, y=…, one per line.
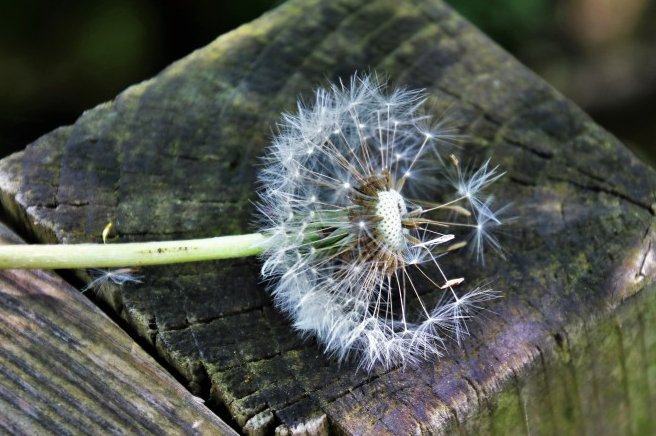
x=59, y=58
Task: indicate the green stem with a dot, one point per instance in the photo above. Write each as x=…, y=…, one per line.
x=129, y=254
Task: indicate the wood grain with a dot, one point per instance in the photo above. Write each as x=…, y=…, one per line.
x=65, y=368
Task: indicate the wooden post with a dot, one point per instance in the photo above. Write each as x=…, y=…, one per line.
x=570, y=347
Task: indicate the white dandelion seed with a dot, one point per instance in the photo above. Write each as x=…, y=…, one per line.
x=102, y=279
x=351, y=242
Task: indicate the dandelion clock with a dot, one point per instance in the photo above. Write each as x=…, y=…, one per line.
x=350, y=236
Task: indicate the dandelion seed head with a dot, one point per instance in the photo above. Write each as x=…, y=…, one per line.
x=346, y=264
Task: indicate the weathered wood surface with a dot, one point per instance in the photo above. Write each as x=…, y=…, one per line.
x=571, y=347
x=66, y=368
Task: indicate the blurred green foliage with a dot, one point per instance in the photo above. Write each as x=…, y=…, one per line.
x=509, y=22
x=58, y=59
